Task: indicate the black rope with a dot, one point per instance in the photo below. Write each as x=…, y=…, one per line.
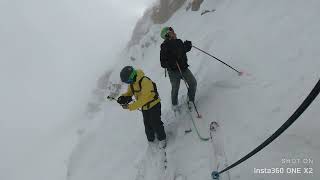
x=313, y=94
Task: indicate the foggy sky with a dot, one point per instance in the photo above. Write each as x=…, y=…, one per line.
x=51, y=54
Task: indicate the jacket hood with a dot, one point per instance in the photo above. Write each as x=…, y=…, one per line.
x=140, y=74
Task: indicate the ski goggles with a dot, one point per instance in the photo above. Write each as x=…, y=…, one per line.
x=169, y=30
x=131, y=77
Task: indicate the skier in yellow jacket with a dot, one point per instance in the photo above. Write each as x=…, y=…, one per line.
x=147, y=99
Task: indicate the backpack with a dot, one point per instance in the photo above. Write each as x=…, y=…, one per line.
x=156, y=96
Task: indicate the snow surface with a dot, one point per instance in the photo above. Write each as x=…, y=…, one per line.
x=276, y=44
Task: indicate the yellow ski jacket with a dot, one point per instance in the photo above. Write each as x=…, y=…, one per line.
x=146, y=97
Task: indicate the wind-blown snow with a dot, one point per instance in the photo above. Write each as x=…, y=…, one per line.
x=274, y=42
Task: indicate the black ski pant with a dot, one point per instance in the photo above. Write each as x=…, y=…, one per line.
x=153, y=124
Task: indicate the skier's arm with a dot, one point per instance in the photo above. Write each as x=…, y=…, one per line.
x=163, y=56
x=146, y=95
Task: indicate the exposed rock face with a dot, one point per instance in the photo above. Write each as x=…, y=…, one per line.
x=158, y=14
x=141, y=28
x=165, y=10
x=196, y=5
x=207, y=11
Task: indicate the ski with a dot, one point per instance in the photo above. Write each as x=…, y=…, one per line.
x=220, y=158
x=202, y=138
x=213, y=127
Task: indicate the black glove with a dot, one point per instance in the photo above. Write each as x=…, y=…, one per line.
x=124, y=99
x=188, y=45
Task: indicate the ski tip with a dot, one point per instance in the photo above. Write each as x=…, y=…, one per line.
x=213, y=125
x=240, y=73
x=199, y=116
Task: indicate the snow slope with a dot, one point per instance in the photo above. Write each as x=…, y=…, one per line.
x=274, y=42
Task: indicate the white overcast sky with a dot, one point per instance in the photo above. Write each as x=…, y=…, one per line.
x=49, y=49
x=51, y=53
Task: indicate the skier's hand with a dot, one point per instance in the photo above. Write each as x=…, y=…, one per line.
x=187, y=45
x=124, y=99
x=121, y=100
x=125, y=106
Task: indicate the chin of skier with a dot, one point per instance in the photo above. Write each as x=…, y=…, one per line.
x=173, y=57
x=147, y=99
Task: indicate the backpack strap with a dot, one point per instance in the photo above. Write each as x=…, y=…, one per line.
x=140, y=81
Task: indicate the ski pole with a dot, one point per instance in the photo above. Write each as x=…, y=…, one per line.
x=239, y=72
x=182, y=75
x=195, y=107
x=165, y=72
x=111, y=98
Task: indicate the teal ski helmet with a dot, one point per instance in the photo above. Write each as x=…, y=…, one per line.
x=164, y=32
x=128, y=75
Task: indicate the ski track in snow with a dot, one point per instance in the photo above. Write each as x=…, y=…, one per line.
x=153, y=159
x=175, y=126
